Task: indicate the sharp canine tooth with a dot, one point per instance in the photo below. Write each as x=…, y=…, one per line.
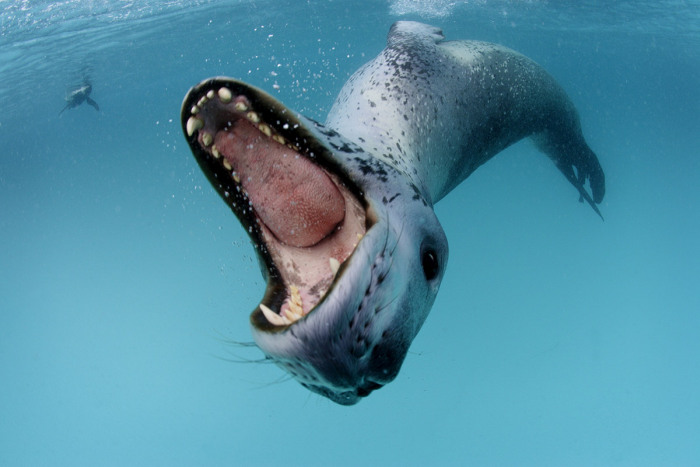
x=253, y=117
x=207, y=138
x=265, y=129
x=335, y=265
x=241, y=107
x=210, y=94
x=273, y=317
x=194, y=124
x=225, y=95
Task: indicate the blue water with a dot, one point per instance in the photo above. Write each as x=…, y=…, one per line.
x=126, y=284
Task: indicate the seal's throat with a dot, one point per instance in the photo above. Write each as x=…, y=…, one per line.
x=304, y=218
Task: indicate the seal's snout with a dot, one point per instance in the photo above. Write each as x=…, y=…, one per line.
x=347, y=397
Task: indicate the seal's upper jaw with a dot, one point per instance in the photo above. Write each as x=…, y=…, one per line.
x=304, y=216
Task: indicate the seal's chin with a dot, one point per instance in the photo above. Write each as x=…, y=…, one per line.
x=304, y=218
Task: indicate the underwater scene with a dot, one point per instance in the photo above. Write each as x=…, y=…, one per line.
x=154, y=309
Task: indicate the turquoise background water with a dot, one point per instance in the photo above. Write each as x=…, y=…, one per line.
x=126, y=284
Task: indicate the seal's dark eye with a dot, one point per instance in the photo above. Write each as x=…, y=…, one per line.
x=430, y=264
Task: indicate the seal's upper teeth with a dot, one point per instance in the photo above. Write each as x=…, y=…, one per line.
x=225, y=95
x=265, y=129
x=241, y=107
x=210, y=94
x=194, y=124
x=253, y=117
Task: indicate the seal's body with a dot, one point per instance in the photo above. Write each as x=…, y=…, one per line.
x=342, y=216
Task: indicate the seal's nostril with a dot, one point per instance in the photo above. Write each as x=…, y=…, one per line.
x=367, y=388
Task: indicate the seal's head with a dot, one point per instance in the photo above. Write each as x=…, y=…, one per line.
x=351, y=250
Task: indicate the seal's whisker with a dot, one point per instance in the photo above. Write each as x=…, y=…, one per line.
x=382, y=307
x=243, y=359
x=398, y=238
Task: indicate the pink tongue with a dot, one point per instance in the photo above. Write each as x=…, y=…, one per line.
x=295, y=199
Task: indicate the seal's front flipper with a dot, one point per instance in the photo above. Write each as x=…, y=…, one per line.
x=93, y=103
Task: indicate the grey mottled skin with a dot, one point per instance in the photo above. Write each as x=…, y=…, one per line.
x=433, y=111
x=438, y=109
x=406, y=129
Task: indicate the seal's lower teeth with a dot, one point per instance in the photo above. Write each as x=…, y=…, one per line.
x=335, y=265
x=292, y=313
x=272, y=317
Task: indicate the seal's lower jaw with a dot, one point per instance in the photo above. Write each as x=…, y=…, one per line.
x=303, y=216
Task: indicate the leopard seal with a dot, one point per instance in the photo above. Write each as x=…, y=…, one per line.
x=341, y=214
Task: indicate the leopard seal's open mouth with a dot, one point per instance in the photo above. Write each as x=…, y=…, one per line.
x=304, y=217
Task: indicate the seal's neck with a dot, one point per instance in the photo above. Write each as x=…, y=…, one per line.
x=402, y=117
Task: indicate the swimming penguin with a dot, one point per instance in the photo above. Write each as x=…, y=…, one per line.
x=78, y=95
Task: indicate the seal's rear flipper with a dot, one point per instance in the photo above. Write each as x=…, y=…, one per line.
x=93, y=103
x=577, y=162
x=568, y=171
